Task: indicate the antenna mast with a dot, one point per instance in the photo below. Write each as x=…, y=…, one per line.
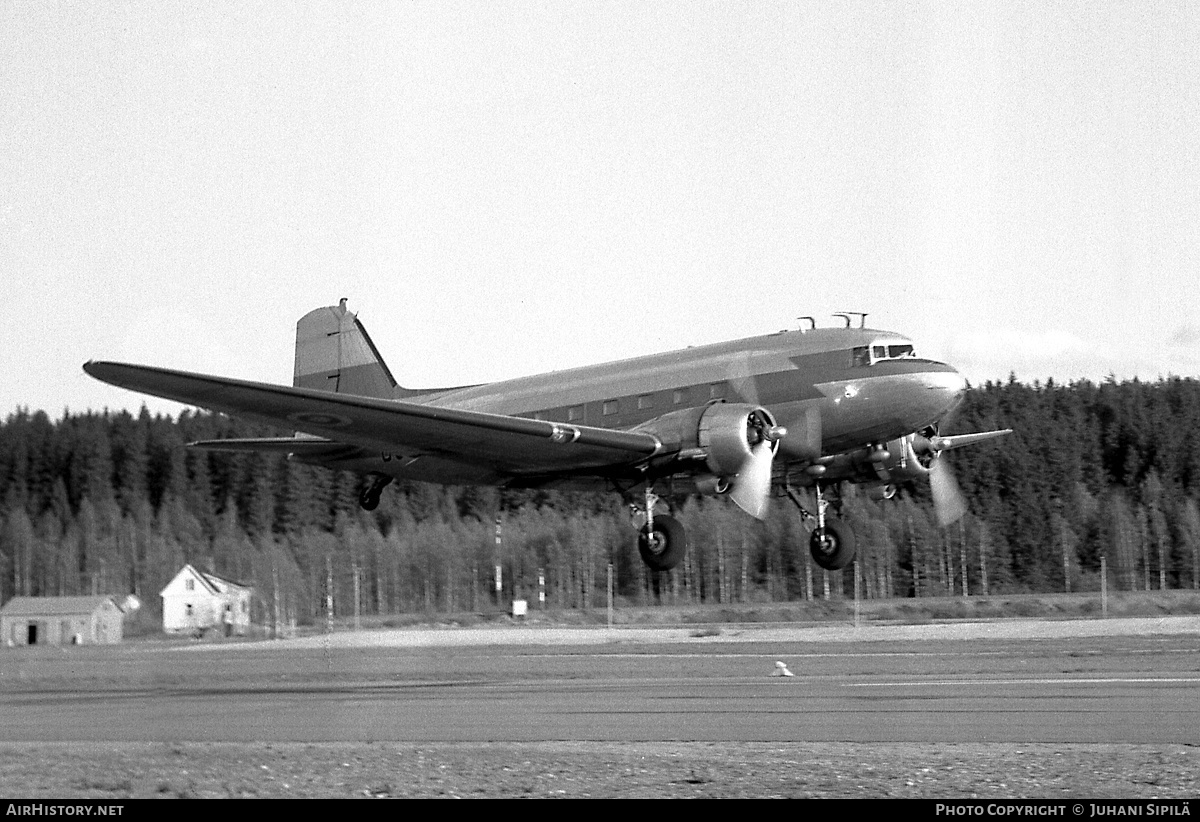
x=846, y=315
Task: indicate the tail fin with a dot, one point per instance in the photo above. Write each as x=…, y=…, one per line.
x=335, y=354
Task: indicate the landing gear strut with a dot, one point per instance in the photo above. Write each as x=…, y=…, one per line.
x=662, y=540
x=831, y=542
x=369, y=498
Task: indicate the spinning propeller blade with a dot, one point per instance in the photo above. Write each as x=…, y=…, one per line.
x=752, y=487
x=948, y=501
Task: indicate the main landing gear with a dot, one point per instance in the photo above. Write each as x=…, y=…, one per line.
x=368, y=499
x=662, y=540
x=831, y=542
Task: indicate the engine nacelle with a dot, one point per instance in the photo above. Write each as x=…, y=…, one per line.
x=720, y=436
x=729, y=432
x=903, y=461
x=898, y=461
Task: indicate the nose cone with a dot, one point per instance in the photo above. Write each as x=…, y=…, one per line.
x=944, y=390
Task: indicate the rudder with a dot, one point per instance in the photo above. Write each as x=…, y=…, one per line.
x=334, y=353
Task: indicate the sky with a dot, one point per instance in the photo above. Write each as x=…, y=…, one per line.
x=507, y=188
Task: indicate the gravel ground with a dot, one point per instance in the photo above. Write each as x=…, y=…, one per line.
x=572, y=770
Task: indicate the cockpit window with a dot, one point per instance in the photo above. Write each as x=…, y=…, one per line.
x=880, y=351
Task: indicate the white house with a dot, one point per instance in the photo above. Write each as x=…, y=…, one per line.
x=195, y=601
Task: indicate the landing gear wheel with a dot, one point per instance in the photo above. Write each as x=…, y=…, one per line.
x=832, y=547
x=368, y=500
x=663, y=549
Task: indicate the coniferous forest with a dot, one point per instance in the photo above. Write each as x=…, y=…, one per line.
x=115, y=504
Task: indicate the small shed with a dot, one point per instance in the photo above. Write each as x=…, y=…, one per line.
x=196, y=601
x=61, y=621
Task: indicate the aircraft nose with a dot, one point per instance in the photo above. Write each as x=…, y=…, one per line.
x=946, y=388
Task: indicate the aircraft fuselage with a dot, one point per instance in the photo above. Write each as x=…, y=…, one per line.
x=827, y=378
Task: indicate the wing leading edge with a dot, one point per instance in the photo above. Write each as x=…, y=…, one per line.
x=511, y=445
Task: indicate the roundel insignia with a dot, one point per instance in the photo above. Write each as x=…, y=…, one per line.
x=318, y=419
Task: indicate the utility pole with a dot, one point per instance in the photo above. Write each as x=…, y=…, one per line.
x=962, y=555
x=610, y=595
x=275, y=598
x=328, y=594
x=857, y=595
x=499, y=571
x=357, y=604
x=1104, y=585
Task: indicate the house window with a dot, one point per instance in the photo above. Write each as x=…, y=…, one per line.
x=189, y=585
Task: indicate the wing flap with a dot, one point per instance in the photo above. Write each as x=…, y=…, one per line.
x=308, y=447
x=513, y=445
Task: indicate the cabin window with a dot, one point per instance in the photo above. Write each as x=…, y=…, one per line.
x=679, y=396
x=646, y=401
x=717, y=390
x=575, y=413
x=860, y=356
x=897, y=352
x=610, y=407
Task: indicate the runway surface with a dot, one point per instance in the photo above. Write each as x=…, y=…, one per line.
x=1090, y=687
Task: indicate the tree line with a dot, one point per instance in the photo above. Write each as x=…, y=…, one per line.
x=115, y=504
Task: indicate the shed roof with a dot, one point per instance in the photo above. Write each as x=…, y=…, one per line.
x=54, y=606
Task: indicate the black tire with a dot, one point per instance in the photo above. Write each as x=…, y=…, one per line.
x=368, y=500
x=832, y=547
x=665, y=549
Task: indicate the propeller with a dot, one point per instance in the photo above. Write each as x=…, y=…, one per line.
x=949, y=504
x=740, y=373
x=752, y=488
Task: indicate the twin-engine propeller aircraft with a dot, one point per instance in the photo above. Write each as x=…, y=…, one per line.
x=750, y=418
